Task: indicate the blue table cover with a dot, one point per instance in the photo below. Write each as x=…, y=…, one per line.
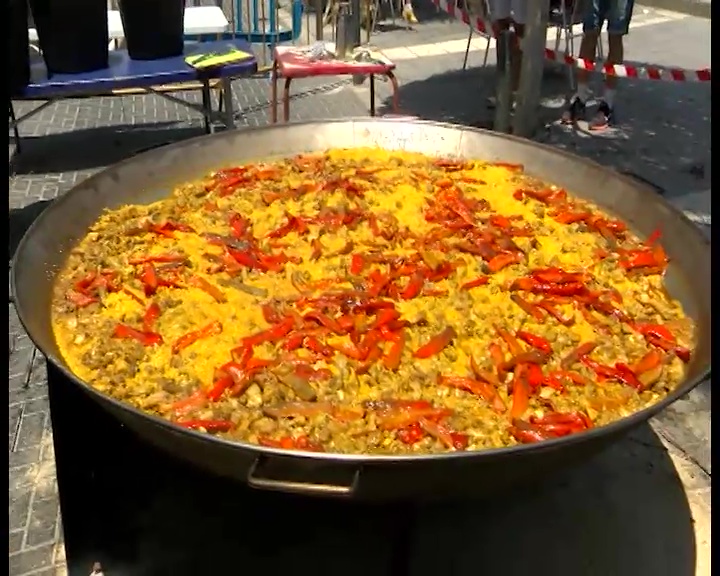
x=126, y=73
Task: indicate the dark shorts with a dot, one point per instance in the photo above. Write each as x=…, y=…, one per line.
x=617, y=13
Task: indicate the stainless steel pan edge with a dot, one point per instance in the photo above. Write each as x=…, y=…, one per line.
x=146, y=177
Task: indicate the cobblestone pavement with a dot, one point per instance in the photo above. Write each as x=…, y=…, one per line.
x=663, y=136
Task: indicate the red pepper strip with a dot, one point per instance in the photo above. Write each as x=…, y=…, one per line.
x=241, y=377
x=411, y=435
x=287, y=443
x=557, y=276
x=527, y=436
x=200, y=283
x=502, y=260
x=149, y=278
x=357, y=264
x=496, y=353
x=520, y=393
x=451, y=440
x=414, y=286
x=240, y=226
x=479, y=281
x=436, y=344
x=246, y=258
x=145, y=338
x=325, y=320
x=218, y=387
x=640, y=259
x=535, y=376
x=649, y=361
x=550, y=309
x=133, y=296
x=385, y=317
x=477, y=387
x=196, y=400
x=656, y=331
x=510, y=340
x=626, y=375
x=274, y=334
x=654, y=237
x=313, y=344
x=578, y=419
x=151, y=315
x=349, y=350
x=529, y=309
x=535, y=341
x=207, y=425
x=158, y=258
x=392, y=359
x=80, y=300
x=401, y=417
x=85, y=283
x=508, y=166
x=293, y=342
x=190, y=338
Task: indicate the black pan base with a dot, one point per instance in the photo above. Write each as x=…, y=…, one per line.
x=140, y=512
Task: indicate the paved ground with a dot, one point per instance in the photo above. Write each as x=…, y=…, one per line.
x=663, y=136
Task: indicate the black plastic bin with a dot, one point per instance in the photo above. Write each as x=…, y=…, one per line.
x=153, y=28
x=18, y=46
x=73, y=34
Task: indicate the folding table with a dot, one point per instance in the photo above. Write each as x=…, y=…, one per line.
x=161, y=77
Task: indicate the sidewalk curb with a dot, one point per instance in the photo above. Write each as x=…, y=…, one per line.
x=698, y=8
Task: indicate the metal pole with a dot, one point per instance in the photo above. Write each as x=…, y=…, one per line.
x=531, y=71
x=319, y=20
x=503, y=89
x=354, y=35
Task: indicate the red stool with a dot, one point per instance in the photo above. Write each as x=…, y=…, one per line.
x=290, y=63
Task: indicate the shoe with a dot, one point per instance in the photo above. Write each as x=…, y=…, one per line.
x=408, y=14
x=491, y=102
x=574, y=111
x=603, y=117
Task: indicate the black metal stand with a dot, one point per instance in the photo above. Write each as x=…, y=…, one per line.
x=140, y=512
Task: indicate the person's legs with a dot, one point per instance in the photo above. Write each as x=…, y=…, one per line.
x=618, y=18
x=597, y=11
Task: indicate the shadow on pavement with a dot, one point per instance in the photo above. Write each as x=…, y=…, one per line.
x=94, y=147
x=661, y=134
x=20, y=220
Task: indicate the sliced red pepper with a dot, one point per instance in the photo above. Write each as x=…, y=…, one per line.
x=414, y=286
x=535, y=376
x=392, y=359
x=500, y=261
x=219, y=386
x=357, y=264
x=325, y=320
x=451, y=440
x=411, y=435
x=196, y=400
x=207, y=425
x=151, y=315
x=530, y=309
x=479, y=281
x=520, y=393
x=212, y=329
x=126, y=332
x=477, y=387
x=240, y=226
x=656, y=331
x=535, y=341
x=626, y=375
x=200, y=283
x=149, y=278
x=80, y=300
x=436, y=344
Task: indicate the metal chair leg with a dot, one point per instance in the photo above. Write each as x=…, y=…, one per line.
x=16, y=132
x=467, y=49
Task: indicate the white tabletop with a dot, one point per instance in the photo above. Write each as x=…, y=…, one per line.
x=198, y=20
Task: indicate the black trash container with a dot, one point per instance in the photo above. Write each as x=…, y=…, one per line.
x=18, y=46
x=153, y=28
x=73, y=34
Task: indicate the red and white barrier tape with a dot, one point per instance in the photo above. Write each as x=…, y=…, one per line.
x=630, y=71
x=619, y=70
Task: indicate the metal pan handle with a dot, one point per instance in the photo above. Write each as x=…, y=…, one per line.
x=256, y=480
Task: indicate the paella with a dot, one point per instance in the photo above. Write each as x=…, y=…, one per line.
x=370, y=301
